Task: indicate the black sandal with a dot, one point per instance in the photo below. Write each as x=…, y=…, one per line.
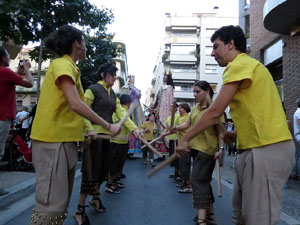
x=98, y=207
x=210, y=219
x=81, y=212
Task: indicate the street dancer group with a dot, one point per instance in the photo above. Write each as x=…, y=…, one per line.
x=98, y=119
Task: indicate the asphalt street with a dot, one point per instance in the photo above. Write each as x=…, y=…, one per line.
x=143, y=201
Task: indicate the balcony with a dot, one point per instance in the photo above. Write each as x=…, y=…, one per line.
x=182, y=59
x=184, y=94
x=184, y=76
x=282, y=16
x=182, y=23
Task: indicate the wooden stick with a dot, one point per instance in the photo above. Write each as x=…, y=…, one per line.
x=162, y=165
x=155, y=139
x=107, y=136
x=163, y=126
x=159, y=137
x=128, y=113
x=151, y=147
x=219, y=185
x=149, y=108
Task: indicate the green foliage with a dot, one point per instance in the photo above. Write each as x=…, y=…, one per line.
x=32, y=20
x=100, y=49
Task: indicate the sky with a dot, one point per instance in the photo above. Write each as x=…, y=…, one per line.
x=140, y=25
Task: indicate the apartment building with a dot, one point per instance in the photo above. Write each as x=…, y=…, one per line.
x=121, y=64
x=186, y=53
x=275, y=41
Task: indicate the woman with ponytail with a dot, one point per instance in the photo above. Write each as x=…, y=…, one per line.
x=58, y=125
x=204, y=150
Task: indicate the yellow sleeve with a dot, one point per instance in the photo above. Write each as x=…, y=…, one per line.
x=238, y=72
x=88, y=99
x=120, y=112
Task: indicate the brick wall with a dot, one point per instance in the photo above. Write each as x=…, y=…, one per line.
x=291, y=72
x=260, y=38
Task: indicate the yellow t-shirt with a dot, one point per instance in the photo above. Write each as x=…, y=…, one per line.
x=256, y=108
x=124, y=130
x=149, y=136
x=207, y=141
x=168, y=122
x=182, y=119
x=54, y=120
x=120, y=112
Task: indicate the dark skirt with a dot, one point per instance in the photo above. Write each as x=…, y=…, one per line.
x=203, y=167
x=95, y=166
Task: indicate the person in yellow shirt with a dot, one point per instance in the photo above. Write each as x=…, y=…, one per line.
x=149, y=129
x=265, y=147
x=173, y=142
x=58, y=125
x=118, y=151
x=184, y=163
x=204, y=149
x=95, y=163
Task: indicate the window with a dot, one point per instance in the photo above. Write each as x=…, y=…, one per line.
x=211, y=68
x=184, y=87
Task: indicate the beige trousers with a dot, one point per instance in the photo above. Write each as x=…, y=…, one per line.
x=54, y=164
x=260, y=176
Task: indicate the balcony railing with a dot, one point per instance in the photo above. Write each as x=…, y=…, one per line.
x=183, y=94
x=182, y=58
x=184, y=75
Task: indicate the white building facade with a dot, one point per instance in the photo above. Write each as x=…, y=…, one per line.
x=186, y=53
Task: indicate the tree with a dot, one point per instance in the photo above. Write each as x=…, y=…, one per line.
x=23, y=21
x=100, y=49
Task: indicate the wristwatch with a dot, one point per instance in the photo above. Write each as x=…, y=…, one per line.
x=222, y=148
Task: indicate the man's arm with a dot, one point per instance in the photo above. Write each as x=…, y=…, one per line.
x=27, y=80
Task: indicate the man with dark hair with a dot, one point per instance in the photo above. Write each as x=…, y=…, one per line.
x=8, y=82
x=101, y=98
x=265, y=147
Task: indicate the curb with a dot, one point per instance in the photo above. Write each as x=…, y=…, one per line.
x=17, y=192
x=21, y=190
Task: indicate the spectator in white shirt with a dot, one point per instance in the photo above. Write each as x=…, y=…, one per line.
x=25, y=124
x=296, y=170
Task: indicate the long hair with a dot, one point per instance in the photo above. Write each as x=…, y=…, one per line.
x=205, y=86
x=170, y=80
x=61, y=41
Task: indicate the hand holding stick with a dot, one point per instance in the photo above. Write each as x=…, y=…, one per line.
x=159, y=137
x=218, y=178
